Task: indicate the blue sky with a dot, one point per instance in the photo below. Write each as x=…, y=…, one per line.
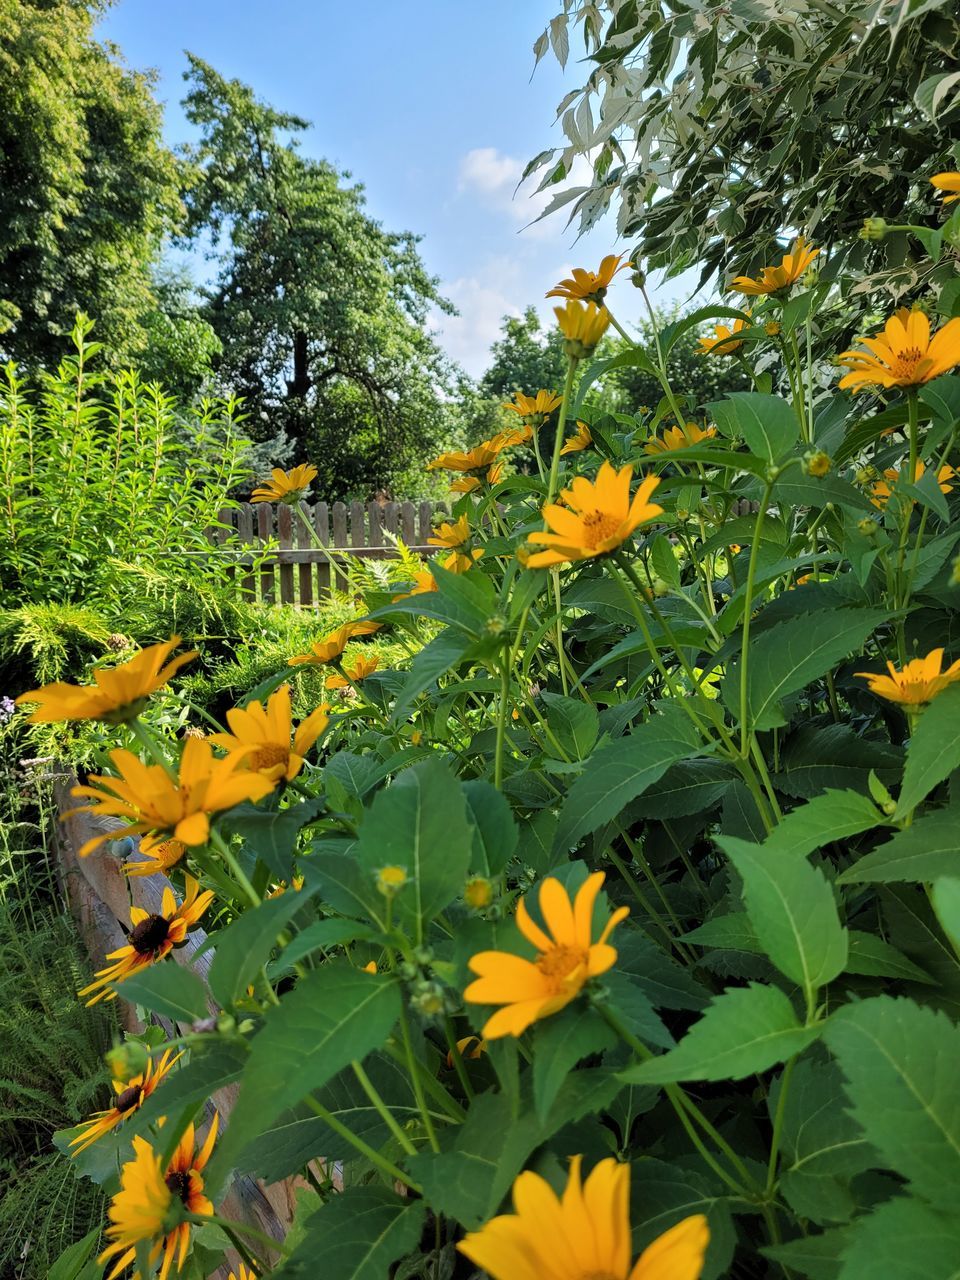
x=430, y=105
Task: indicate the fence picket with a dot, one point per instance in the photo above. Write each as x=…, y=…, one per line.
x=265, y=532
x=305, y=545
x=285, y=530
x=339, y=541
x=321, y=522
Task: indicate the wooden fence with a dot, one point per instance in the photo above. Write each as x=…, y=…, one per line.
x=295, y=570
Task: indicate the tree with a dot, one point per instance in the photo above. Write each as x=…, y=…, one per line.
x=717, y=128
x=321, y=313
x=87, y=189
x=524, y=358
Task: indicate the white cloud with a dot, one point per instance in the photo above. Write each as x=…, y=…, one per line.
x=467, y=337
x=489, y=171
x=492, y=177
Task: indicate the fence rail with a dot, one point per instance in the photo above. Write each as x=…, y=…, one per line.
x=296, y=570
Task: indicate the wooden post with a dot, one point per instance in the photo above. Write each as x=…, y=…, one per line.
x=305, y=545
x=265, y=533
x=321, y=522
x=358, y=527
x=339, y=540
x=285, y=530
x=408, y=523
x=426, y=520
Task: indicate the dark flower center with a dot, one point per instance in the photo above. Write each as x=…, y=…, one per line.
x=179, y=1184
x=150, y=934
x=128, y=1099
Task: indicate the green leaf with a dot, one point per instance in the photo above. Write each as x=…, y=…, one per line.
x=169, y=989
x=618, y=773
x=321, y=935
x=435, y=658
x=924, y=851
x=573, y=722
x=210, y=1067
x=666, y=984
x=495, y=833
x=420, y=823
x=559, y=1044
x=914, y=1242
x=243, y=947
x=834, y=815
x=933, y=752
x=273, y=835
x=767, y=424
x=346, y=886
x=899, y=1060
x=334, y=1015
x=691, y=786
x=791, y=655
x=72, y=1261
x=730, y=932
x=537, y=841
x=945, y=900
x=358, y=1234
x=744, y=1030
x=818, y=757
x=663, y=1194
x=817, y=1257
x=875, y=958
x=793, y=913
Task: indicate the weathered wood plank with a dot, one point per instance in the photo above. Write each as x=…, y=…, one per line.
x=339, y=541
x=265, y=534
x=285, y=531
x=304, y=541
x=248, y=583
x=321, y=522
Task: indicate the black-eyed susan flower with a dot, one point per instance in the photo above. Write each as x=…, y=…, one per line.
x=118, y=694
x=332, y=645
x=774, y=279
x=141, y=1211
x=583, y=1234
x=534, y=410
x=595, y=517
x=582, y=324
x=131, y=1095
x=161, y=858
x=286, y=486
x=945, y=182
x=265, y=740
x=361, y=668
x=882, y=490
x=684, y=437
x=904, y=354
x=918, y=683
x=724, y=342
x=581, y=439
x=590, y=286
x=157, y=806
x=566, y=959
x=152, y=938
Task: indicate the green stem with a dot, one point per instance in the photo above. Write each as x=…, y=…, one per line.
x=572, y=363
x=230, y=1227
x=501, y=723
x=385, y=1166
x=747, y=614
x=366, y=1084
x=457, y=1058
x=415, y=1081
x=238, y=873
x=778, y=1126
x=151, y=746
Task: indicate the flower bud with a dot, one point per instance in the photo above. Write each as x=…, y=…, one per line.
x=955, y=573
x=428, y=999
x=817, y=463
x=873, y=229
x=390, y=880
x=867, y=475
x=772, y=328
x=638, y=278
x=478, y=893
x=124, y=1061
x=869, y=528
x=661, y=588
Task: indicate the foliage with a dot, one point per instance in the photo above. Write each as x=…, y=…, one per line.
x=715, y=128
x=680, y=702
x=321, y=313
x=523, y=357
x=87, y=188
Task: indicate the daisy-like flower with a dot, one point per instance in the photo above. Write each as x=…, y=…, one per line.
x=566, y=960
x=684, y=437
x=261, y=736
x=163, y=856
x=581, y=440
x=131, y=1095
x=947, y=182
x=286, y=486
x=152, y=938
x=141, y=1209
x=774, y=279
x=583, y=1234
x=470, y=484
x=362, y=668
x=882, y=490
x=157, y=806
x=119, y=694
x=456, y=537
x=424, y=583
x=918, y=683
x=516, y=435
x=583, y=324
x=724, y=343
x=534, y=410
x=904, y=355
x=595, y=517
x=480, y=458
x=590, y=286
x=469, y=1047
x=332, y=645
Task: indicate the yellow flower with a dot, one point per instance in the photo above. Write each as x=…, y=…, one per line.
x=390, y=880
x=370, y=966
x=583, y=1234
x=152, y=938
x=119, y=693
x=131, y=1095
x=286, y=486
x=461, y=561
x=773, y=279
x=919, y=682
x=157, y=806
x=684, y=437
x=590, y=286
x=534, y=409
x=595, y=518
x=261, y=737
x=478, y=892
x=582, y=440
x=425, y=582
x=721, y=345
x=904, y=355
x=523, y=434
x=161, y=858
x=243, y=1274
x=451, y=535
x=469, y=484
x=771, y=328
x=583, y=324
x=477, y=459
x=140, y=1209
x=947, y=182
x=882, y=489
x=469, y=1047
x=362, y=668
x=332, y=645
x=566, y=960
x=279, y=889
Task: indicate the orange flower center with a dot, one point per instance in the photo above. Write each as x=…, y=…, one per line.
x=558, y=963
x=270, y=754
x=150, y=934
x=904, y=363
x=597, y=527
